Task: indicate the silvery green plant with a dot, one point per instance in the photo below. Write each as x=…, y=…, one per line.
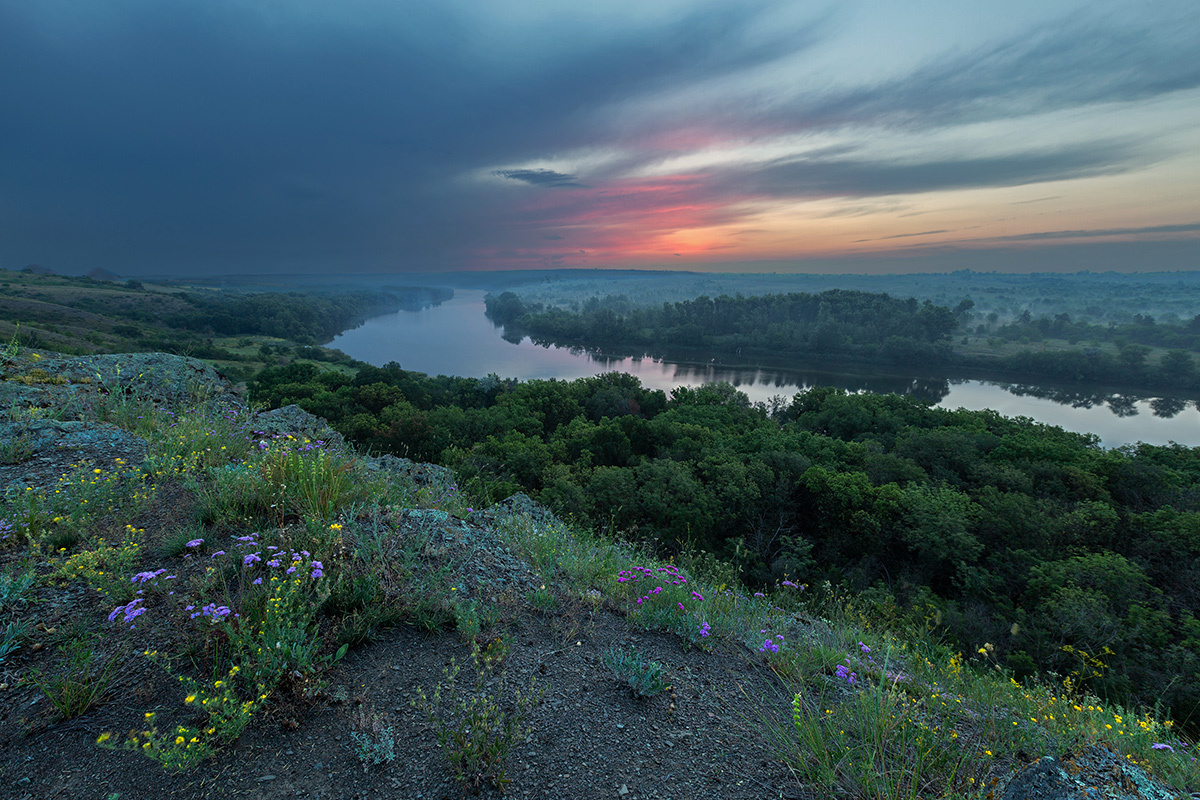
x=374, y=742
x=643, y=676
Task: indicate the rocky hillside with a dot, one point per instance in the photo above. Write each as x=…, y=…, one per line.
x=201, y=601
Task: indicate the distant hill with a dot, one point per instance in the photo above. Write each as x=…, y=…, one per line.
x=99, y=274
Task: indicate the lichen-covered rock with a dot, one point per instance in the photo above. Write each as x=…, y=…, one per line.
x=37, y=452
x=1094, y=773
x=78, y=383
x=518, y=503
x=294, y=421
x=421, y=475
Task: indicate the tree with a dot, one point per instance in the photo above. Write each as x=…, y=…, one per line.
x=1178, y=368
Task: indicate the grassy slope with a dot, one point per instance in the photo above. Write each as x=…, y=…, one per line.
x=877, y=711
x=81, y=316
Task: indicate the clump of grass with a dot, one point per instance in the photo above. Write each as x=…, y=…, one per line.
x=15, y=589
x=82, y=684
x=645, y=678
x=476, y=731
x=542, y=600
x=16, y=449
x=14, y=633
x=286, y=481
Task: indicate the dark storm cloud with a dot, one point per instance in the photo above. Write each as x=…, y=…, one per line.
x=199, y=134
x=539, y=177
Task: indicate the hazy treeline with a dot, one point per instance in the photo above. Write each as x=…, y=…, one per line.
x=1098, y=297
x=79, y=314
x=871, y=328
x=306, y=318
x=1062, y=555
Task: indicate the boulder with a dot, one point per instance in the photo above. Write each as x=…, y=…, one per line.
x=1093, y=773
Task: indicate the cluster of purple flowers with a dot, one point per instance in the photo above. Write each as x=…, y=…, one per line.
x=142, y=577
x=674, y=576
x=213, y=611
x=769, y=645
x=132, y=610
x=704, y=629
x=844, y=672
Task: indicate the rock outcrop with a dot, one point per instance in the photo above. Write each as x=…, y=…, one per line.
x=1093, y=773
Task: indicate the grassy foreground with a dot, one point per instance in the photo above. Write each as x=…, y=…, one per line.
x=280, y=567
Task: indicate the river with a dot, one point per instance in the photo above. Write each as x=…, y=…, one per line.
x=455, y=338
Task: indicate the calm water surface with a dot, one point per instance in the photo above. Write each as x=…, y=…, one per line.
x=455, y=338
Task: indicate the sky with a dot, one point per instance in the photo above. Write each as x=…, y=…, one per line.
x=349, y=136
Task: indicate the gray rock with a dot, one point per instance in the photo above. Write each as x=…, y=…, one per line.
x=419, y=474
x=295, y=421
x=39, y=451
x=517, y=504
x=1091, y=774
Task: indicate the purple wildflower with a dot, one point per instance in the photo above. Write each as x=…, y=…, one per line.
x=218, y=553
x=142, y=577
x=698, y=596
x=863, y=647
x=1161, y=746
x=251, y=558
x=194, y=543
x=768, y=646
x=131, y=611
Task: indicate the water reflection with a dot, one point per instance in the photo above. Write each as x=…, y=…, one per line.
x=1120, y=404
x=456, y=338
x=1167, y=407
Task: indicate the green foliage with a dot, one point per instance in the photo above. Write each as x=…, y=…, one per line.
x=953, y=510
x=866, y=326
x=81, y=684
x=476, y=731
x=374, y=742
x=644, y=677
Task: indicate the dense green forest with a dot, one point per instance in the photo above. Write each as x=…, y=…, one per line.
x=1061, y=555
x=871, y=328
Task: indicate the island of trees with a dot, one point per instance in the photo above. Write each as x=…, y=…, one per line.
x=873, y=328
